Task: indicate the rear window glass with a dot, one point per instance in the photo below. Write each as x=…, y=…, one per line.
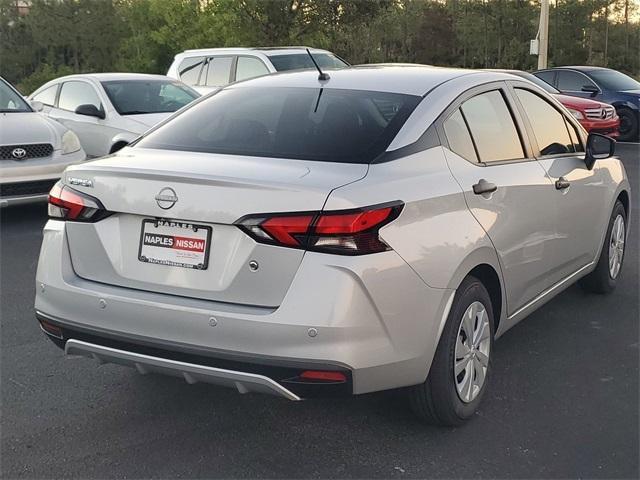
x=300, y=61
x=331, y=125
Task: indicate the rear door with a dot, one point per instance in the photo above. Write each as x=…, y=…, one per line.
x=579, y=193
x=506, y=189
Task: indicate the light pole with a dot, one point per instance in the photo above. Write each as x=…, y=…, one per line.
x=543, y=34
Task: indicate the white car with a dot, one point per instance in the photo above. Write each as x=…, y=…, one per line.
x=306, y=234
x=109, y=110
x=209, y=68
x=34, y=150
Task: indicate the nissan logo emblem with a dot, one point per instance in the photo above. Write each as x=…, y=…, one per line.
x=18, y=153
x=166, y=198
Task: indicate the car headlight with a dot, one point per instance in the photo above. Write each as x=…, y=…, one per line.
x=576, y=113
x=70, y=142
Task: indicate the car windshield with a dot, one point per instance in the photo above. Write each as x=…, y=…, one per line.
x=301, y=61
x=614, y=80
x=134, y=97
x=10, y=101
x=329, y=125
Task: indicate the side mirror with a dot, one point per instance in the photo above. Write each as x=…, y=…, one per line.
x=37, y=106
x=90, y=111
x=592, y=89
x=599, y=147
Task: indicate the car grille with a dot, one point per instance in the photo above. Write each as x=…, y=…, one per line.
x=600, y=113
x=23, y=152
x=26, y=188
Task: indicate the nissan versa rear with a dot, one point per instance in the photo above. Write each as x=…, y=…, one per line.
x=301, y=235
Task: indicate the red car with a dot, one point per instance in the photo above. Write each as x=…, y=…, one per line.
x=596, y=117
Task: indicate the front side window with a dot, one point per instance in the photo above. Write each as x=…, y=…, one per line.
x=189, y=70
x=458, y=136
x=47, y=96
x=322, y=124
x=572, y=81
x=218, y=71
x=492, y=127
x=549, y=125
x=133, y=97
x=301, y=61
x=73, y=94
x=10, y=101
x=249, y=67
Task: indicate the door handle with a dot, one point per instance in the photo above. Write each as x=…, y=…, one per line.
x=484, y=187
x=562, y=183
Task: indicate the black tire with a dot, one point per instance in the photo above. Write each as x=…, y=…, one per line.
x=600, y=279
x=437, y=400
x=628, y=125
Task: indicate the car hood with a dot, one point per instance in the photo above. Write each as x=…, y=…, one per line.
x=578, y=102
x=143, y=122
x=29, y=127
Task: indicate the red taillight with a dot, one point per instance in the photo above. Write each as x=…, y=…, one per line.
x=348, y=232
x=323, y=376
x=68, y=204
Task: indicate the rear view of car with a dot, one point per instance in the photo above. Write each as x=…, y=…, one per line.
x=211, y=68
x=34, y=150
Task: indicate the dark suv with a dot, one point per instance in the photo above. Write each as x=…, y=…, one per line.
x=605, y=85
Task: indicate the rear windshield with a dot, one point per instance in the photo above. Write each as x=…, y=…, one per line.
x=300, y=61
x=330, y=125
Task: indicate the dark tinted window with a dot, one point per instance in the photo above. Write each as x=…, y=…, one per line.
x=539, y=82
x=131, y=97
x=572, y=81
x=299, y=61
x=74, y=94
x=189, y=70
x=547, y=76
x=304, y=123
x=47, y=96
x=614, y=80
x=492, y=128
x=249, y=67
x=549, y=125
x=459, y=138
x=218, y=71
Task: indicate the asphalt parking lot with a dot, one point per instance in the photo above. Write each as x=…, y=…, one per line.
x=563, y=401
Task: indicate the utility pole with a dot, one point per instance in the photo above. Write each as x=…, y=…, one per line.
x=543, y=34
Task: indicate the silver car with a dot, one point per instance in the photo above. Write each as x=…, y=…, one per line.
x=34, y=150
x=302, y=235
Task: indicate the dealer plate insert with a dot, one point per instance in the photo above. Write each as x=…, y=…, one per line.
x=174, y=243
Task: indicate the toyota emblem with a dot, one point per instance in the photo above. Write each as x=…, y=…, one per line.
x=18, y=153
x=166, y=198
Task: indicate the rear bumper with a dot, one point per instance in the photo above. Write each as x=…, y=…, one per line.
x=192, y=373
x=369, y=316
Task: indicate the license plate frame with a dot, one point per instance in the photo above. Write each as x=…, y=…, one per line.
x=169, y=228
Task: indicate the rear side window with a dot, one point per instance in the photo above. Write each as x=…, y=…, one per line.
x=549, y=125
x=329, y=125
x=300, y=61
x=47, y=96
x=249, y=67
x=546, y=76
x=459, y=138
x=189, y=70
x=74, y=94
x=492, y=128
x=218, y=71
